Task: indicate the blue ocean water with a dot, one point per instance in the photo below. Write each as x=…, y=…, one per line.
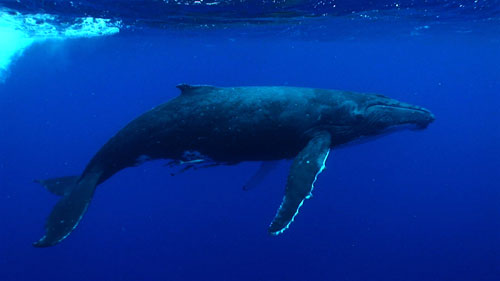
x=414, y=205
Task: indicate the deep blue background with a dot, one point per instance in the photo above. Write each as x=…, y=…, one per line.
x=410, y=206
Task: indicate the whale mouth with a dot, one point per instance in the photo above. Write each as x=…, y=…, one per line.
x=402, y=107
x=399, y=114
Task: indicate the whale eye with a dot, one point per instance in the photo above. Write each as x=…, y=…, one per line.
x=141, y=159
x=357, y=115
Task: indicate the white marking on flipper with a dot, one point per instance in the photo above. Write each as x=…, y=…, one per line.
x=323, y=166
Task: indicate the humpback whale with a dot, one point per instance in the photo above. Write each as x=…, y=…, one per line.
x=217, y=126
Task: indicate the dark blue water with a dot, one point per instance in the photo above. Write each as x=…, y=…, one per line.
x=414, y=205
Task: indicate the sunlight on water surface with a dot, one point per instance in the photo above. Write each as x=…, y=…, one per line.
x=18, y=32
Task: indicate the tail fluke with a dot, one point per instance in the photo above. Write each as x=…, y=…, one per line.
x=59, y=186
x=68, y=212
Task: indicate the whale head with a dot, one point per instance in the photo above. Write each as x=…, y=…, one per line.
x=382, y=114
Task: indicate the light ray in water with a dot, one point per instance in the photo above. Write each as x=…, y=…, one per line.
x=18, y=32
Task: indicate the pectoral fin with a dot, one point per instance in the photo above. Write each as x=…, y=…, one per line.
x=303, y=173
x=260, y=175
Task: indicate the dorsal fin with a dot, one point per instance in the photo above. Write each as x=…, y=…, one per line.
x=187, y=89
